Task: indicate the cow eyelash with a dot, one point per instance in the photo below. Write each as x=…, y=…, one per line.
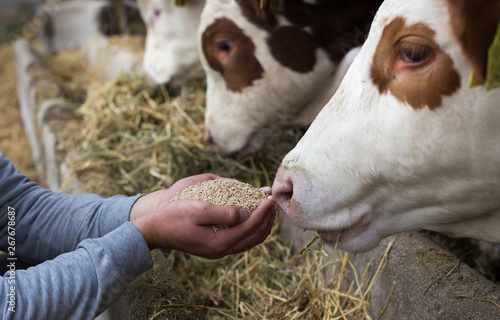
x=415, y=53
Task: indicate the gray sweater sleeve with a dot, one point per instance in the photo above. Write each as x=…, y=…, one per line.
x=85, y=276
x=50, y=223
x=80, y=284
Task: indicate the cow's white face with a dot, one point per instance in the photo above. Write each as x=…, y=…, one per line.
x=171, y=43
x=263, y=72
x=405, y=143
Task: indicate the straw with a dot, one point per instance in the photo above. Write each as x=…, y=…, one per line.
x=149, y=140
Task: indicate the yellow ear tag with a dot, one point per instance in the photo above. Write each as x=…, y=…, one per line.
x=472, y=80
x=178, y=3
x=493, y=67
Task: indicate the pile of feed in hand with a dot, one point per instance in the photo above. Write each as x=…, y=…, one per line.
x=136, y=137
x=224, y=192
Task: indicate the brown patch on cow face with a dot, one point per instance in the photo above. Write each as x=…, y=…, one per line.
x=409, y=64
x=293, y=48
x=264, y=17
x=474, y=23
x=336, y=26
x=232, y=53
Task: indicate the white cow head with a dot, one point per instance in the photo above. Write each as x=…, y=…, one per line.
x=406, y=143
x=171, y=43
x=270, y=68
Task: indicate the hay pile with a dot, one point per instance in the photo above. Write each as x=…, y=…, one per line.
x=145, y=140
x=69, y=69
x=269, y=282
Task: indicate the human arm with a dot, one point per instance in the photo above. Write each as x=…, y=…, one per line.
x=82, y=283
x=78, y=284
x=50, y=223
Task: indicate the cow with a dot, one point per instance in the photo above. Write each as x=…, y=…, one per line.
x=272, y=64
x=411, y=139
x=171, y=52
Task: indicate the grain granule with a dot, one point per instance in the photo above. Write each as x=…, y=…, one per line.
x=224, y=192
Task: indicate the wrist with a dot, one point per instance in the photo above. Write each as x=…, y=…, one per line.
x=137, y=208
x=144, y=228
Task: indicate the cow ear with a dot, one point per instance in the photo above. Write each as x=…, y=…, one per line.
x=265, y=9
x=475, y=23
x=260, y=12
x=268, y=6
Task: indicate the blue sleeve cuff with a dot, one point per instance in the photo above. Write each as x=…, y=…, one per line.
x=120, y=205
x=128, y=235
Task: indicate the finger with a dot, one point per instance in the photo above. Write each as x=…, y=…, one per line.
x=222, y=215
x=266, y=190
x=232, y=218
x=188, y=182
x=238, y=238
x=258, y=217
x=205, y=177
x=261, y=234
x=252, y=241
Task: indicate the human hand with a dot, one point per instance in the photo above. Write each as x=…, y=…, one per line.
x=186, y=225
x=153, y=201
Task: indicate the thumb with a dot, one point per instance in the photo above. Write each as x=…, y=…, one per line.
x=222, y=215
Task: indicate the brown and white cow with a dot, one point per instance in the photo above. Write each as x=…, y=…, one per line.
x=275, y=65
x=171, y=52
x=406, y=143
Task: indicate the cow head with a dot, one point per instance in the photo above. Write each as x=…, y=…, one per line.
x=171, y=43
x=273, y=66
x=406, y=143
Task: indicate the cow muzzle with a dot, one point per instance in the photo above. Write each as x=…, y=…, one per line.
x=282, y=190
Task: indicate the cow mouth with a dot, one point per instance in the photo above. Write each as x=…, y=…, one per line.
x=340, y=237
x=251, y=148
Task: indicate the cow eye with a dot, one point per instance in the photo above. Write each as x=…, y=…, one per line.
x=154, y=14
x=415, y=53
x=224, y=45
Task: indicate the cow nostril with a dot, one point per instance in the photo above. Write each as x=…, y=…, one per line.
x=283, y=193
x=209, y=141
